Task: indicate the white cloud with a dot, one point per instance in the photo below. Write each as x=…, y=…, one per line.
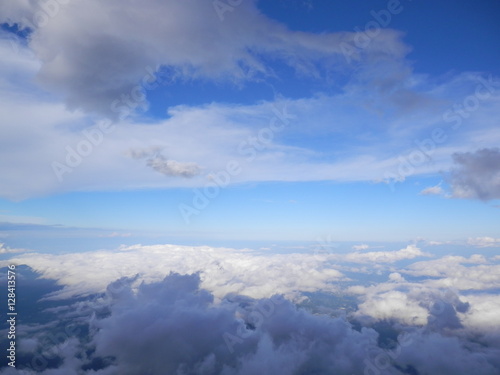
x=366, y=247
x=361, y=247
x=483, y=316
x=396, y=277
x=393, y=305
x=433, y=190
x=223, y=270
x=410, y=252
x=484, y=242
x=473, y=273
x=437, y=243
x=7, y=250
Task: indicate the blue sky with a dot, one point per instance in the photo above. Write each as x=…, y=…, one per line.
x=361, y=121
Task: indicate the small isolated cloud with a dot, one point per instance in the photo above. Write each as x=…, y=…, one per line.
x=396, y=277
x=409, y=252
x=437, y=243
x=173, y=167
x=484, y=242
x=477, y=175
x=168, y=167
x=7, y=250
x=365, y=246
x=361, y=247
x=432, y=190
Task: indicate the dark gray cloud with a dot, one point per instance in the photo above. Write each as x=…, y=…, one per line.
x=102, y=56
x=443, y=312
x=168, y=167
x=173, y=168
x=476, y=175
x=173, y=327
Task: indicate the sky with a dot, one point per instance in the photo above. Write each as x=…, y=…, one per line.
x=245, y=187
x=272, y=121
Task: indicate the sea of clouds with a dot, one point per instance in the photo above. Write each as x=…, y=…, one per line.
x=169, y=309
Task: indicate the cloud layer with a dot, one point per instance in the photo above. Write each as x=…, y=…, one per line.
x=174, y=326
x=226, y=311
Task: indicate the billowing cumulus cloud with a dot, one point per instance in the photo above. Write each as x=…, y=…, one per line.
x=476, y=175
x=174, y=326
x=226, y=311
